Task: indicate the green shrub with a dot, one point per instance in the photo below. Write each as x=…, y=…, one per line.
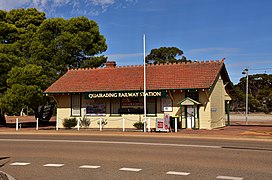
x=86, y=122
x=103, y=123
x=69, y=122
x=139, y=125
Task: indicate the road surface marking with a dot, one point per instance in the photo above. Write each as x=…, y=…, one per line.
x=229, y=177
x=246, y=148
x=53, y=165
x=110, y=142
x=89, y=167
x=19, y=164
x=130, y=169
x=178, y=173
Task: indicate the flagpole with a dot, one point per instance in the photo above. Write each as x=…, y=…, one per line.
x=144, y=87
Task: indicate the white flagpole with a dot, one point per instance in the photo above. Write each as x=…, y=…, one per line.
x=144, y=87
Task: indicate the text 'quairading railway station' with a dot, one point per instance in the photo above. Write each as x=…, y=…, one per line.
x=196, y=93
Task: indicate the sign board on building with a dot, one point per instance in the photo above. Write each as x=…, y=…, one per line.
x=213, y=109
x=124, y=94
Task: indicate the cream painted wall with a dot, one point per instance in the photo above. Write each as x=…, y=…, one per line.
x=178, y=96
x=207, y=119
x=218, y=105
x=205, y=110
x=63, y=108
x=64, y=111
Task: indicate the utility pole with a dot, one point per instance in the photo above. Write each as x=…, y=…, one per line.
x=246, y=73
x=144, y=86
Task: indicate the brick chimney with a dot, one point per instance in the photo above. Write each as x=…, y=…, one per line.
x=110, y=64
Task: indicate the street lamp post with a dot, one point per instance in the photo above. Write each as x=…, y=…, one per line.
x=246, y=73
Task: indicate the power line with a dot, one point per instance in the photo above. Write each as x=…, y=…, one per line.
x=260, y=69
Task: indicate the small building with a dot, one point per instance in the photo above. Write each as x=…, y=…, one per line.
x=196, y=93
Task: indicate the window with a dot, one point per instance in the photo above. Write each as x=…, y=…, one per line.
x=75, y=104
x=151, y=106
x=131, y=106
x=136, y=106
x=193, y=94
x=166, y=104
x=115, y=105
x=95, y=107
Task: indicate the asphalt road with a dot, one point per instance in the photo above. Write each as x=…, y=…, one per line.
x=60, y=157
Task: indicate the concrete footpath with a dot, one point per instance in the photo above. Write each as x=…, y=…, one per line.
x=253, y=132
x=259, y=127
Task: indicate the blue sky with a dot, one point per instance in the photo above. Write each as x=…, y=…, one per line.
x=238, y=30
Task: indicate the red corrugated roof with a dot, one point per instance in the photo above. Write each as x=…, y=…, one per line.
x=158, y=77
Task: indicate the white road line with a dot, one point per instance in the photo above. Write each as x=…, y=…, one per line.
x=110, y=142
x=53, y=165
x=19, y=164
x=178, y=173
x=89, y=167
x=229, y=178
x=130, y=169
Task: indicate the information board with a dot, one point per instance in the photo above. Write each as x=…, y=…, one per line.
x=163, y=124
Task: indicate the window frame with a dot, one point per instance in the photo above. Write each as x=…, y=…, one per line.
x=120, y=105
x=72, y=105
x=155, y=105
x=104, y=102
x=163, y=103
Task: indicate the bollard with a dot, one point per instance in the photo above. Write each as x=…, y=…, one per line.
x=123, y=124
x=78, y=119
x=144, y=124
x=17, y=124
x=57, y=122
x=176, y=124
x=149, y=125
x=37, y=124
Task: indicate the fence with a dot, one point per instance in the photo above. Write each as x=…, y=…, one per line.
x=101, y=122
x=115, y=123
x=253, y=119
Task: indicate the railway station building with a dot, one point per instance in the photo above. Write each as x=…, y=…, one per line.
x=196, y=93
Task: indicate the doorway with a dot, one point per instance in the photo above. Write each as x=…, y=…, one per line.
x=189, y=113
x=190, y=117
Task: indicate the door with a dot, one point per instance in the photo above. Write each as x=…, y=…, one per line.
x=190, y=116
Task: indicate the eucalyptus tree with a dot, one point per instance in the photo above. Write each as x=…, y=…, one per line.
x=165, y=55
x=259, y=93
x=33, y=47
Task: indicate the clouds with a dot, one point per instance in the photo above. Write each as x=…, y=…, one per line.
x=12, y=4
x=82, y=7
x=118, y=57
x=102, y=2
x=215, y=51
